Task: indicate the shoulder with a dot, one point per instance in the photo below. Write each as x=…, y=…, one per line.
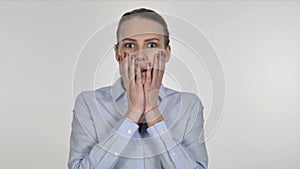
x=102, y=92
x=185, y=97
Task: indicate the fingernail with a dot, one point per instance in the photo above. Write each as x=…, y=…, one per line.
x=125, y=55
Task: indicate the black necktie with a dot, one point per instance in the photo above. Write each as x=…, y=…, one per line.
x=143, y=125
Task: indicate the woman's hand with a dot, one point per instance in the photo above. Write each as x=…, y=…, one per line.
x=152, y=88
x=134, y=87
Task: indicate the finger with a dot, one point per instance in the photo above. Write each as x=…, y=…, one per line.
x=155, y=68
x=161, y=64
x=119, y=58
x=148, y=74
x=125, y=65
x=138, y=75
x=131, y=69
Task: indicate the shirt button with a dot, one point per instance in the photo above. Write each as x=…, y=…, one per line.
x=173, y=154
x=129, y=131
x=161, y=131
x=116, y=153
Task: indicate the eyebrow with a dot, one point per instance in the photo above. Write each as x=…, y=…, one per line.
x=130, y=39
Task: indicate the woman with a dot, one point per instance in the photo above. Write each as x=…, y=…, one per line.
x=138, y=122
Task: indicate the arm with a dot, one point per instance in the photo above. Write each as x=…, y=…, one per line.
x=85, y=150
x=191, y=152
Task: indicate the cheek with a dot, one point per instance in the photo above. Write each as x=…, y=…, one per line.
x=152, y=56
x=150, y=60
x=151, y=53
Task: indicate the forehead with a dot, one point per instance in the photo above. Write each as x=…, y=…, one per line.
x=140, y=26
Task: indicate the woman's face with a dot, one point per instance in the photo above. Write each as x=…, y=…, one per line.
x=143, y=38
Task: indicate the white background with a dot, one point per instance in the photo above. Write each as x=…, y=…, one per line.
x=257, y=42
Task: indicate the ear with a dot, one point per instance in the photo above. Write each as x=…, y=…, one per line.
x=117, y=56
x=168, y=53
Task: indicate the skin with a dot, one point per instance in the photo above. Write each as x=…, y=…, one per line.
x=141, y=47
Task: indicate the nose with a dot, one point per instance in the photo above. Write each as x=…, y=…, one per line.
x=141, y=56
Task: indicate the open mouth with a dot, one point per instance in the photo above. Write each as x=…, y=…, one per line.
x=144, y=71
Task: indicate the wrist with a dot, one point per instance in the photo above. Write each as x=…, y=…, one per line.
x=153, y=116
x=157, y=120
x=133, y=115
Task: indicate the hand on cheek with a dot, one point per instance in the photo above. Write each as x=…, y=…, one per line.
x=134, y=87
x=154, y=80
x=152, y=88
x=123, y=68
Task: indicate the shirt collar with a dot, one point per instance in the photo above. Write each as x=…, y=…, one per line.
x=118, y=91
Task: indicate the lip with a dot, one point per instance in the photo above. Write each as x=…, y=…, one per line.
x=144, y=71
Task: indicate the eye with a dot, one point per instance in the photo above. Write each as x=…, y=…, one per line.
x=151, y=45
x=129, y=45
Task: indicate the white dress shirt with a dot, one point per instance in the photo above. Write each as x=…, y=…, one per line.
x=103, y=138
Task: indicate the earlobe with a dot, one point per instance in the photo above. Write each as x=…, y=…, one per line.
x=168, y=53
